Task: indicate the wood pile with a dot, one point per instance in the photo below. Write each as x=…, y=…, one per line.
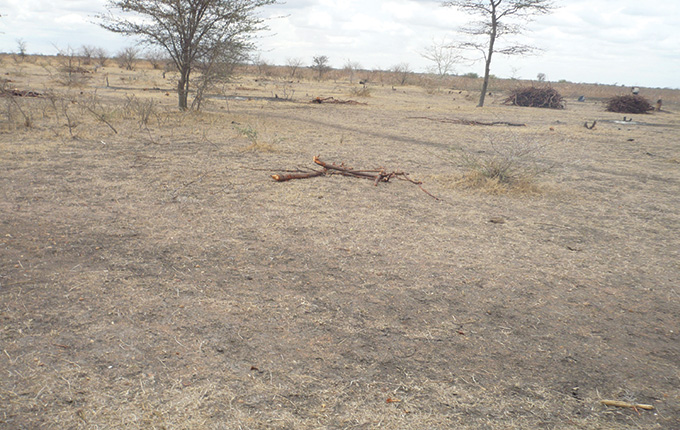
x=629, y=104
x=545, y=97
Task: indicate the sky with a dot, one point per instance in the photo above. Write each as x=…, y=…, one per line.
x=622, y=42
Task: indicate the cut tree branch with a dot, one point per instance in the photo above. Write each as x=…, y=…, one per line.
x=376, y=175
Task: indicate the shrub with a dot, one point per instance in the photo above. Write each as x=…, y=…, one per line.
x=629, y=104
x=510, y=167
x=545, y=97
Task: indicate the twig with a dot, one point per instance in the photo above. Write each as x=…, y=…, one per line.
x=101, y=118
x=620, y=404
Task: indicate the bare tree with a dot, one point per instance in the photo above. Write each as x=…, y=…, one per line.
x=191, y=31
x=101, y=55
x=127, y=58
x=351, y=67
x=499, y=18
x=443, y=55
x=260, y=64
x=402, y=72
x=541, y=77
x=87, y=52
x=320, y=65
x=293, y=65
x=21, y=48
x=157, y=58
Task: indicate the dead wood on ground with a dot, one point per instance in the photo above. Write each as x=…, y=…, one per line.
x=468, y=121
x=320, y=100
x=544, y=97
x=620, y=404
x=19, y=93
x=629, y=104
x=376, y=175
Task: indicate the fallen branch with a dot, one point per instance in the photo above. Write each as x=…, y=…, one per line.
x=590, y=127
x=19, y=93
x=468, y=121
x=620, y=404
x=320, y=100
x=301, y=175
x=377, y=175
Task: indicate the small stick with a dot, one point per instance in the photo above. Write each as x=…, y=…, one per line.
x=621, y=404
x=301, y=175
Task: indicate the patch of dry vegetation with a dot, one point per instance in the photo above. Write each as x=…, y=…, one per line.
x=155, y=276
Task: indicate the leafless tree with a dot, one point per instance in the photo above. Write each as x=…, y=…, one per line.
x=541, y=77
x=191, y=31
x=402, y=72
x=87, y=52
x=499, y=18
x=443, y=55
x=320, y=65
x=101, y=55
x=127, y=58
x=157, y=58
x=351, y=67
x=261, y=64
x=293, y=65
x=21, y=48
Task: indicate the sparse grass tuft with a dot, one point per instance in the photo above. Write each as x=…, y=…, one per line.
x=508, y=168
x=259, y=141
x=363, y=91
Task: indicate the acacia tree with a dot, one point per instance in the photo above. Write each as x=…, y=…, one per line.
x=499, y=18
x=320, y=64
x=190, y=31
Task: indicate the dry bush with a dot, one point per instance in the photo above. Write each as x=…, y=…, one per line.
x=128, y=58
x=545, y=97
x=629, y=104
x=259, y=140
x=139, y=109
x=362, y=91
x=508, y=167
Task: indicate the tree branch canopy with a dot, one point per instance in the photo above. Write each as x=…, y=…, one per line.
x=190, y=31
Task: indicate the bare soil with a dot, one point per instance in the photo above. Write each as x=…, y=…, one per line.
x=159, y=278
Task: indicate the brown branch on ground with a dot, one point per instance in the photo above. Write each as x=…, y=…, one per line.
x=468, y=121
x=320, y=100
x=19, y=93
x=376, y=175
x=299, y=175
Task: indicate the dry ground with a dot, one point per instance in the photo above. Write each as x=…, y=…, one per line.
x=159, y=278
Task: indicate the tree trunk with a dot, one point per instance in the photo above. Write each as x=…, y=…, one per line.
x=487, y=65
x=183, y=88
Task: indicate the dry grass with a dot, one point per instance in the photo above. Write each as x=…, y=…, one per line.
x=158, y=278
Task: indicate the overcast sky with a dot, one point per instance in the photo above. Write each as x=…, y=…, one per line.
x=625, y=42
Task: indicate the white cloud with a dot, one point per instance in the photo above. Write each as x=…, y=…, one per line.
x=624, y=41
